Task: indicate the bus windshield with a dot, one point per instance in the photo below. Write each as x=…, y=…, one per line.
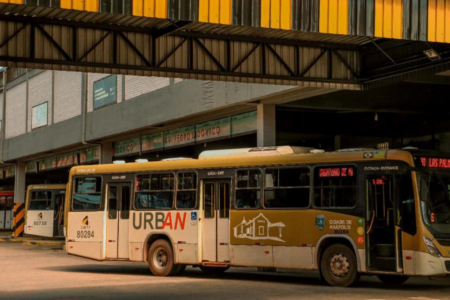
x=435, y=200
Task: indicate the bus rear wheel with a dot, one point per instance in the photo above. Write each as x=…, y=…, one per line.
x=338, y=266
x=393, y=279
x=161, y=261
x=213, y=270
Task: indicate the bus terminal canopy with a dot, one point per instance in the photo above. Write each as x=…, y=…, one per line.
x=321, y=43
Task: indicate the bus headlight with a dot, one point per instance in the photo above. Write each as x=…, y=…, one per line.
x=431, y=247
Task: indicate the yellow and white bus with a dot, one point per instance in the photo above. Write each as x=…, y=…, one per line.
x=6, y=209
x=44, y=210
x=345, y=213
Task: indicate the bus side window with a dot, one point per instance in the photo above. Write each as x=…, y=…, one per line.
x=187, y=190
x=248, y=189
x=155, y=191
x=335, y=186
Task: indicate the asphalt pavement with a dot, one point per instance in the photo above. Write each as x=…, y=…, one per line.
x=40, y=272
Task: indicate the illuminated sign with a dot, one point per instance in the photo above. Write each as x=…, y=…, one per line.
x=435, y=162
x=336, y=172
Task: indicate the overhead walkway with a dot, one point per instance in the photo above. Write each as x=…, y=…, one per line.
x=341, y=44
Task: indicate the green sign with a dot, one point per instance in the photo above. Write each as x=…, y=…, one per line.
x=10, y=171
x=127, y=147
x=105, y=91
x=88, y=155
x=47, y=163
x=64, y=160
x=181, y=136
x=213, y=129
x=243, y=123
x=31, y=167
x=152, y=141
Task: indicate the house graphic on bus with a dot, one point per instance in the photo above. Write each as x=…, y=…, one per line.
x=259, y=228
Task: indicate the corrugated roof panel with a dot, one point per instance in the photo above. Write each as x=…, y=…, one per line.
x=389, y=18
x=305, y=15
x=439, y=21
x=361, y=17
x=333, y=16
x=246, y=12
x=183, y=9
x=415, y=16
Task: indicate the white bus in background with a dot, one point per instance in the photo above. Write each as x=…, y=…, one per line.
x=44, y=210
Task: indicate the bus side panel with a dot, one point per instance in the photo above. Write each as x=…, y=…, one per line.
x=8, y=219
x=180, y=226
x=39, y=222
x=85, y=236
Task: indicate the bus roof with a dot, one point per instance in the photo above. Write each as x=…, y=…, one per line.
x=247, y=161
x=47, y=187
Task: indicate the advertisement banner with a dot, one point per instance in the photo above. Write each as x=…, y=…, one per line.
x=47, y=163
x=96, y=153
x=105, y=91
x=152, y=141
x=243, y=123
x=181, y=136
x=10, y=171
x=127, y=147
x=64, y=160
x=213, y=129
x=31, y=167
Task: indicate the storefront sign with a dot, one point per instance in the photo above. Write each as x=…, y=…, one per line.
x=64, y=160
x=243, y=123
x=31, y=167
x=213, y=129
x=152, y=141
x=127, y=147
x=105, y=91
x=182, y=136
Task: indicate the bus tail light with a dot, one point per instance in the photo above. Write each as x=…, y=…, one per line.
x=431, y=247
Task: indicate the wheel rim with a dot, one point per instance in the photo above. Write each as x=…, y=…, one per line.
x=160, y=258
x=339, y=265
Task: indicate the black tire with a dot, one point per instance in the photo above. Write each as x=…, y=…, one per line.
x=213, y=270
x=393, y=279
x=339, y=267
x=160, y=259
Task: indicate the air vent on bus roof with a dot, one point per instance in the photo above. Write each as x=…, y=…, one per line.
x=258, y=151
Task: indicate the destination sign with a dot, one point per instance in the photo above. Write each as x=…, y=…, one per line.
x=434, y=162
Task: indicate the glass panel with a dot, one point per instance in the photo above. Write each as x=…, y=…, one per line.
x=254, y=178
x=224, y=200
x=209, y=200
x=248, y=198
x=156, y=200
x=87, y=193
x=40, y=200
x=335, y=187
x=59, y=207
x=187, y=181
x=186, y=199
x=286, y=198
x=242, y=179
x=125, y=207
x=2, y=203
x=271, y=178
x=9, y=202
x=112, y=203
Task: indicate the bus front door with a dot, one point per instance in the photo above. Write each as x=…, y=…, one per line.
x=216, y=225
x=117, y=225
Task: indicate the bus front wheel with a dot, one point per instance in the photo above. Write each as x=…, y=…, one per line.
x=160, y=259
x=338, y=266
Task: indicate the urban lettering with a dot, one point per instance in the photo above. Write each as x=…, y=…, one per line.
x=159, y=220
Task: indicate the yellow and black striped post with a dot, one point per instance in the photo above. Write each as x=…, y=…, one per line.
x=19, y=219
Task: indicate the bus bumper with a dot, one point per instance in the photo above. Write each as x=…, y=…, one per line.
x=428, y=265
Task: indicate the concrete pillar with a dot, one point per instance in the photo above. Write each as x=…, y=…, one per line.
x=265, y=125
x=106, y=153
x=19, y=200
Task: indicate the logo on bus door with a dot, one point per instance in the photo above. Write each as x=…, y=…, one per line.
x=39, y=216
x=85, y=221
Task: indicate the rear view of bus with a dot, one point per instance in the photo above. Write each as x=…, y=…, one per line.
x=44, y=210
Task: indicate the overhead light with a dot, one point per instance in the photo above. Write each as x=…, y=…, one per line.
x=432, y=54
x=376, y=117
